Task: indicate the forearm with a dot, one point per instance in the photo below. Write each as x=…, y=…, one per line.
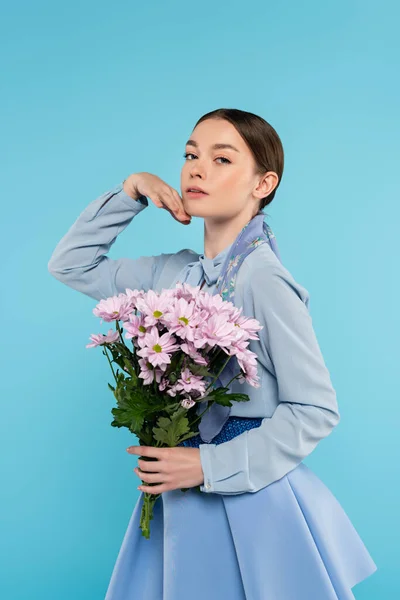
x=260, y=456
x=94, y=231
x=79, y=260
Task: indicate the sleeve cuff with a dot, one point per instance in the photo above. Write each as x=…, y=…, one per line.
x=124, y=196
x=226, y=466
x=205, y=460
x=105, y=204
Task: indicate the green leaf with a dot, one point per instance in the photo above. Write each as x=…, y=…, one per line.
x=189, y=435
x=239, y=397
x=171, y=408
x=219, y=391
x=220, y=396
x=126, y=417
x=200, y=370
x=170, y=430
x=173, y=377
x=131, y=370
x=205, y=398
x=223, y=400
x=227, y=399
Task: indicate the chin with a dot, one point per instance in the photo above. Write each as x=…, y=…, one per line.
x=193, y=207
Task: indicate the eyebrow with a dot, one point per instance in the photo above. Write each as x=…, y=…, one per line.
x=214, y=146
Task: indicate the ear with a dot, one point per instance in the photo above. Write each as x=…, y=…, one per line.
x=267, y=183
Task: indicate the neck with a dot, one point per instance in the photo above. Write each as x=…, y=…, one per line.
x=218, y=235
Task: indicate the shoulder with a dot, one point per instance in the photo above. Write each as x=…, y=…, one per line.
x=262, y=273
x=185, y=256
x=168, y=265
x=175, y=261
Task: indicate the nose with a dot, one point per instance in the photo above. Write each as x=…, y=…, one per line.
x=197, y=169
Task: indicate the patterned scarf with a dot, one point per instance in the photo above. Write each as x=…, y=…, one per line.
x=254, y=233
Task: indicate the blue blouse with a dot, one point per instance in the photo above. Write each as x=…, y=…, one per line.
x=296, y=399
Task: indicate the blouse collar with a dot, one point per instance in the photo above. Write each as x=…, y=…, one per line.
x=212, y=266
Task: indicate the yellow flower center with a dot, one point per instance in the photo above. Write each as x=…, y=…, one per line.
x=184, y=319
x=157, y=314
x=157, y=348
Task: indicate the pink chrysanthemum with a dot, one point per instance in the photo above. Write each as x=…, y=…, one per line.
x=163, y=384
x=135, y=327
x=187, y=291
x=187, y=403
x=189, y=382
x=188, y=348
x=247, y=361
x=101, y=339
x=182, y=319
x=215, y=332
x=133, y=295
x=214, y=304
x=249, y=325
x=115, y=308
x=158, y=349
x=154, y=307
x=148, y=372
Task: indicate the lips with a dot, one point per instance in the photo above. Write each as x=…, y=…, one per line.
x=195, y=190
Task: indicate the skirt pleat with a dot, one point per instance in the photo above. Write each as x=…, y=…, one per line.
x=289, y=541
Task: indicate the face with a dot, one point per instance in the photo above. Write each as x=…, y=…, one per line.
x=227, y=174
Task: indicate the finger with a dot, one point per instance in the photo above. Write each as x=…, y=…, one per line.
x=175, y=205
x=158, y=200
x=155, y=198
x=154, y=489
x=169, y=203
x=161, y=201
x=172, y=213
x=174, y=201
x=151, y=451
x=180, y=202
x=150, y=477
x=153, y=466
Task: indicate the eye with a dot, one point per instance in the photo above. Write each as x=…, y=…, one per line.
x=221, y=157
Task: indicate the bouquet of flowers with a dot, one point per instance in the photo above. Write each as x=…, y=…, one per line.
x=180, y=341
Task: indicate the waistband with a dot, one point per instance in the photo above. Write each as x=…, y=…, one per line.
x=233, y=427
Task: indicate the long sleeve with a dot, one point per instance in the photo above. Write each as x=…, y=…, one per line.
x=80, y=258
x=307, y=408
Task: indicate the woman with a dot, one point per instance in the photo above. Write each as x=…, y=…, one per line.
x=265, y=526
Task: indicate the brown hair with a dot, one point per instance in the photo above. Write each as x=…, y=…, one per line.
x=262, y=139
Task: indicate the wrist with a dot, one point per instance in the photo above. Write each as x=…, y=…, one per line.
x=130, y=189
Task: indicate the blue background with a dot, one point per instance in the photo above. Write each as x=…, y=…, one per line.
x=93, y=92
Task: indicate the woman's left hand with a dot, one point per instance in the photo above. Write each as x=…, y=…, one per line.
x=175, y=468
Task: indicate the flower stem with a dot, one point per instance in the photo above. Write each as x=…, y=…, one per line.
x=147, y=512
x=106, y=353
x=120, y=334
x=218, y=374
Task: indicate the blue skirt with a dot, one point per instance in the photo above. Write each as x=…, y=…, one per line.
x=289, y=541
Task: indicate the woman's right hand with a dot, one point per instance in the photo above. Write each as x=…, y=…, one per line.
x=159, y=192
